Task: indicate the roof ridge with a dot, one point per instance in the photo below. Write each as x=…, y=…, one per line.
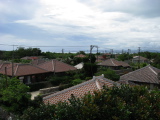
x=153, y=70
x=16, y=69
x=37, y=67
x=67, y=89
x=136, y=70
x=113, y=62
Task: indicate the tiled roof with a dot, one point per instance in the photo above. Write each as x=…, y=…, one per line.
x=148, y=74
x=80, y=55
x=56, y=66
x=113, y=62
x=3, y=65
x=79, y=90
x=23, y=69
x=139, y=57
x=38, y=61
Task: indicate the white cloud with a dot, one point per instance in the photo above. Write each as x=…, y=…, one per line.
x=113, y=23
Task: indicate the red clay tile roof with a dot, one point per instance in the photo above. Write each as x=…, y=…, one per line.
x=113, y=62
x=23, y=69
x=148, y=74
x=38, y=61
x=79, y=90
x=3, y=65
x=56, y=66
x=80, y=55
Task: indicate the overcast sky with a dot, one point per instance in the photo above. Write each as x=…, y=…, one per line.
x=109, y=24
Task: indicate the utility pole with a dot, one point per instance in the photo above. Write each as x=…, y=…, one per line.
x=62, y=54
x=6, y=76
x=111, y=53
x=139, y=49
x=91, y=47
x=13, y=62
x=128, y=54
x=122, y=51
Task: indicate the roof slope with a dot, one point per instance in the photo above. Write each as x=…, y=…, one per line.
x=139, y=58
x=113, y=62
x=38, y=61
x=148, y=74
x=23, y=69
x=5, y=64
x=56, y=66
x=79, y=90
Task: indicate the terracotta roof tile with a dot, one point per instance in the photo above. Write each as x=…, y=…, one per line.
x=113, y=62
x=56, y=66
x=148, y=74
x=79, y=90
x=23, y=69
x=139, y=57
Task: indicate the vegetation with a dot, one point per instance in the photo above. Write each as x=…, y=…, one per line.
x=117, y=103
x=13, y=95
x=108, y=73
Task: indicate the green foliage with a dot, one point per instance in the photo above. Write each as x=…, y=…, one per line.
x=38, y=85
x=77, y=81
x=89, y=69
x=108, y=73
x=14, y=96
x=43, y=112
x=124, y=57
x=116, y=103
x=81, y=52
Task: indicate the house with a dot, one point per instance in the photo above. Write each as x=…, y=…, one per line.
x=27, y=73
x=4, y=64
x=32, y=57
x=148, y=75
x=114, y=64
x=56, y=66
x=137, y=59
x=80, y=56
x=37, y=61
x=79, y=90
x=103, y=57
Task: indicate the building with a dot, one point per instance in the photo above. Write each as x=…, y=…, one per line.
x=79, y=90
x=140, y=59
x=114, y=64
x=27, y=73
x=56, y=66
x=149, y=76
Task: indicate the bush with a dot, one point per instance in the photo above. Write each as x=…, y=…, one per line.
x=116, y=103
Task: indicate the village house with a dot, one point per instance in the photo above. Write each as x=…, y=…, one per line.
x=114, y=64
x=97, y=83
x=27, y=73
x=140, y=59
x=149, y=76
x=55, y=66
x=32, y=57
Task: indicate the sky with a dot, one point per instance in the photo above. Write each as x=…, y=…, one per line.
x=74, y=25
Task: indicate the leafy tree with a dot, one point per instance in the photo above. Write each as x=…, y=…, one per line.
x=108, y=73
x=116, y=103
x=81, y=52
x=89, y=69
x=14, y=97
x=124, y=57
